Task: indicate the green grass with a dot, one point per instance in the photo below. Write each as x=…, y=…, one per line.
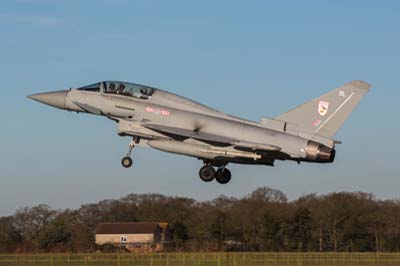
x=204, y=259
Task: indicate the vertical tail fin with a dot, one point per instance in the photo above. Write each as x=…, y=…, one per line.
x=325, y=115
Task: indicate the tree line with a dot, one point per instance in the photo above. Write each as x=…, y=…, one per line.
x=263, y=220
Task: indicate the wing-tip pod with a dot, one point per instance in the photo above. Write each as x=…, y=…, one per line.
x=359, y=84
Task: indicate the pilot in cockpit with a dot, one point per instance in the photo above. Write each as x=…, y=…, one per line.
x=120, y=88
x=111, y=88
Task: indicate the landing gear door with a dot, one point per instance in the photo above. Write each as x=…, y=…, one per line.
x=135, y=128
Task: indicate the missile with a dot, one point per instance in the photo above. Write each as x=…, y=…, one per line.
x=199, y=150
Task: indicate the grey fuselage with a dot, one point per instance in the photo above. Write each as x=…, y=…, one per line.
x=171, y=123
x=249, y=142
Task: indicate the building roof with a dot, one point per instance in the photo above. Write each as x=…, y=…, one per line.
x=126, y=228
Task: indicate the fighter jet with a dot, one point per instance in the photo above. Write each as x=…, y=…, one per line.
x=167, y=122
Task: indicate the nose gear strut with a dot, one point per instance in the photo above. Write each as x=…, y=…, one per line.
x=127, y=160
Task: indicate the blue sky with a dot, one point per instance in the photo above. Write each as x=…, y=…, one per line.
x=247, y=58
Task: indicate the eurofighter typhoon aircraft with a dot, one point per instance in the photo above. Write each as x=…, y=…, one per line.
x=171, y=123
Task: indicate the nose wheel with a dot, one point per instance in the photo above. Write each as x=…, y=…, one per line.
x=127, y=160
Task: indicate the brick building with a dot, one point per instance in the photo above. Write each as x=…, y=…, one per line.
x=136, y=237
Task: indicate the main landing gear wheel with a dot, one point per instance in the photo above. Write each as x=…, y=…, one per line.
x=223, y=176
x=207, y=173
x=126, y=162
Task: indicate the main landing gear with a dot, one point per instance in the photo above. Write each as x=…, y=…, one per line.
x=127, y=160
x=207, y=173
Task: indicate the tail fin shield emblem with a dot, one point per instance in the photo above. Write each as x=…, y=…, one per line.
x=323, y=108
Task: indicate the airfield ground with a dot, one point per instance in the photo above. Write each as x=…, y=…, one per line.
x=204, y=259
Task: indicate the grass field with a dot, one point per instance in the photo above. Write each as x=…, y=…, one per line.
x=204, y=259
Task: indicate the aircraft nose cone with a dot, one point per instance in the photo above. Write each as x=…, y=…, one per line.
x=55, y=98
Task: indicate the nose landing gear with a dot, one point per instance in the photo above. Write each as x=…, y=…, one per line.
x=127, y=160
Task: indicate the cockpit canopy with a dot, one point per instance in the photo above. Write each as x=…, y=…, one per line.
x=121, y=88
x=128, y=89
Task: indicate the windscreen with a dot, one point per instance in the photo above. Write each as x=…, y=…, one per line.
x=92, y=87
